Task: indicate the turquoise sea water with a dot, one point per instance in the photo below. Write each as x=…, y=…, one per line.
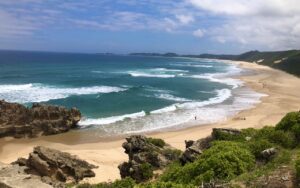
x=123, y=94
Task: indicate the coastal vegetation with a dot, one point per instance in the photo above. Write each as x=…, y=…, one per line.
x=234, y=158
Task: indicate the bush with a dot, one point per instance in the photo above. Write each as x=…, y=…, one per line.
x=223, y=161
x=164, y=185
x=257, y=146
x=285, y=139
x=297, y=167
x=147, y=171
x=220, y=135
x=157, y=142
x=250, y=132
x=290, y=122
x=171, y=154
x=124, y=183
x=264, y=133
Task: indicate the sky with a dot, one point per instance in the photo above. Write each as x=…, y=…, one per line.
x=125, y=26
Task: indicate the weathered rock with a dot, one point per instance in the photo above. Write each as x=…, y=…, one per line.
x=142, y=153
x=14, y=176
x=55, y=166
x=230, y=131
x=18, y=121
x=268, y=153
x=194, y=149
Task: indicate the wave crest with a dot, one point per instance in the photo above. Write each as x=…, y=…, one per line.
x=26, y=93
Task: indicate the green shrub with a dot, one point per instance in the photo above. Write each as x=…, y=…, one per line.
x=290, y=122
x=147, y=171
x=220, y=135
x=157, y=142
x=257, y=146
x=164, y=185
x=264, y=133
x=124, y=183
x=223, y=161
x=285, y=139
x=297, y=167
x=171, y=154
x=249, y=132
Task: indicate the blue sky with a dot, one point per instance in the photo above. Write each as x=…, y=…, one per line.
x=124, y=26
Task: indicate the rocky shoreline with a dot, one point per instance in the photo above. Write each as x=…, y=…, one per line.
x=19, y=121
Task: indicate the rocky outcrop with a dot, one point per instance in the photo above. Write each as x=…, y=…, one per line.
x=18, y=121
x=145, y=154
x=56, y=167
x=14, y=176
x=194, y=149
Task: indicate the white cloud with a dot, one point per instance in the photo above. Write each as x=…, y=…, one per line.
x=198, y=33
x=185, y=19
x=272, y=24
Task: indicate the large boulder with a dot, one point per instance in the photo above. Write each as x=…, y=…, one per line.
x=146, y=154
x=18, y=121
x=55, y=166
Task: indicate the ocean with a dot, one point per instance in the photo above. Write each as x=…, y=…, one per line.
x=121, y=94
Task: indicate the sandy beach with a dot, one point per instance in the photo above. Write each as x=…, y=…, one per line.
x=283, y=92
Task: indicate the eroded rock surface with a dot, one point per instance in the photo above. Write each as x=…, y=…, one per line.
x=194, y=149
x=18, y=121
x=14, y=176
x=144, y=154
x=54, y=166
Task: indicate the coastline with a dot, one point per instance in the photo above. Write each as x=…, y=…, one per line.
x=283, y=92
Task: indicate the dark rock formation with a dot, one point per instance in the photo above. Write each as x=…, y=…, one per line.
x=145, y=156
x=18, y=121
x=55, y=166
x=194, y=149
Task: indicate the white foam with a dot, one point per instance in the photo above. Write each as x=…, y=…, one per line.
x=26, y=93
x=165, y=109
x=110, y=120
x=222, y=95
x=169, y=70
x=176, y=117
x=144, y=74
x=192, y=65
x=223, y=78
x=171, y=97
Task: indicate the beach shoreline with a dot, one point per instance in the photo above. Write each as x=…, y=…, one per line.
x=283, y=92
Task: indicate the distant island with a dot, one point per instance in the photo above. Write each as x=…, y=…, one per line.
x=287, y=61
